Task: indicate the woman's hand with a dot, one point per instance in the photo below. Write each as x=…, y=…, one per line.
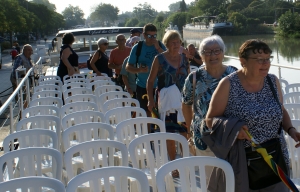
x=150, y=105
x=71, y=71
x=242, y=134
x=296, y=136
x=98, y=73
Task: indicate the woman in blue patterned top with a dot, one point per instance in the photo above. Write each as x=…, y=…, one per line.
x=171, y=68
x=212, y=51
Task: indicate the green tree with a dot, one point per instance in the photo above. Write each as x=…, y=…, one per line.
x=182, y=6
x=179, y=19
x=132, y=22
x=49, y=5
x=239, y=22
x=73, y=16
x=174, y=7
x=289, y=24
x=106, y=13
x=145, y=12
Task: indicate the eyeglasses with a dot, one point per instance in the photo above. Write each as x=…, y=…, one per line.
x=105, y=44
x=151, y=36
x=261, y=60
x=209, y=52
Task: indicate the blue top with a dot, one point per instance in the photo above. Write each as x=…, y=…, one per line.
x=130, y=76
x=168, y=75
x=146, y=57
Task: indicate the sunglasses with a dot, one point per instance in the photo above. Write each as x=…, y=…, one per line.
x=151, y=36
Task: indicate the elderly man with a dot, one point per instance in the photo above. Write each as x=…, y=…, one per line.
x=196, y=59
x=21, y=60
x=134, y=33
x=149, y=49
x=117, y=56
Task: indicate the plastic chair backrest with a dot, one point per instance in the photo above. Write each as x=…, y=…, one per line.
x=95, y=84
x=77, y=106
x=51, y=82
x=47, y=122
x=75, y=91
x=30, y=163
x=120, y=102
x=81, y=117
x=294, y=152
x=81, y=98
x=156, y=150
x=107, y=88
x=73, y=85
x=293, y=97
x=75, y=80
x=127, y=130
x=293, y=110
x=193, y=68
x=95, y=154
x=42, y=94
x=87, y=132
x=188, y=179
x=31, y=138
x=47, y=87
x=52, y=101
x=295, y=87
x=283, y=84
x=95, y=176
x=90, y=76
x=34, y=184
x=74, y=76
x=46, y=78
x=96, y=78
x=40, y=110
x=111, y=95
x=119, y=114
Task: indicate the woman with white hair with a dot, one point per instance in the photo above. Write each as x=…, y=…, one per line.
x=99, y=61
x=212, y=51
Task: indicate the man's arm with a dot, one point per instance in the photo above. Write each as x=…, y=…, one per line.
x=111, y=63
x=198, y=60
x=131, y=69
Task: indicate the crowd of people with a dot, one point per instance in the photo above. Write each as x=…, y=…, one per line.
x=214, y=97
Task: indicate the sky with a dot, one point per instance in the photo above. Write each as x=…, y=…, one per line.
x=123, y=5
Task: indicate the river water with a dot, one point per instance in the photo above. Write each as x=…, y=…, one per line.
x=285, y=51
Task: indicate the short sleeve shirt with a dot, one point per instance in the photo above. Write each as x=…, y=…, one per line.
x=130, y=76
x=117, y=57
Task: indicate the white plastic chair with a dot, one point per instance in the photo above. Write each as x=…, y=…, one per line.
x=40, y=110
x=74, y=77
x=75, y=80
x=107, y=88
x=159, y=156
x=90, y=76
x=48, y=122
x=119, y=114
x=42, y=94
x=48, y=78
x=96, y=78
x=75, y=91
x=73, y=85
x=93, y=154
x=295, y=87
x=47, y=87
x=111, y=95
x=51, y=82
x=186, y=167
x=31, y=138
x=95, y=84
x=293, y=110
x=33, y=184
x=82, y=98
x=30, y=162
x=193, y=68
x=52, y=101
x=99, y=179
x=81, y=117
x=77, y=106
x=283, y=84
x=87, y=132
x=293, y=97
x=120, y=102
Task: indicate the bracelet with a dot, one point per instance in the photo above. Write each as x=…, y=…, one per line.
x=288, y=130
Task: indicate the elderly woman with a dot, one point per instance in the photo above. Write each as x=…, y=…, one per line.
x=99, y=61
x=212, y=51
x=68, y=64
x=254, y=96
x=170, y=68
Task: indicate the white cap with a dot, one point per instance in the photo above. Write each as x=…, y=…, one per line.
x=134, y=39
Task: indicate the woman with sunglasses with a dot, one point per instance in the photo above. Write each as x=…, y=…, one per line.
x=254, y=96
x=99, y=61
x=212, y=51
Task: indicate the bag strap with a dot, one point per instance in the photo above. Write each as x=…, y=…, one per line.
x=275, y=96
x=138, y=52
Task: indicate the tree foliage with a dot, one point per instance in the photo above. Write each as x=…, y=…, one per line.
x=239, y=22
x=144, y=12
x=73, y=16
x=179, y=19
x=183, y=6
x=106, y=14
x=174, y=7
x=289, y=24
x=49, y=5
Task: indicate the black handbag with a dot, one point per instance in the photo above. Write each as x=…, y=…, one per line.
x=260, y=175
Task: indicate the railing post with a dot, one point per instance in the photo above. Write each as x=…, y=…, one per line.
x=21, y=99
x=279, y=72
x=27, y=91
x=11, y=113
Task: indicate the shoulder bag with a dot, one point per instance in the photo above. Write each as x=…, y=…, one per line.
x=191, y=142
